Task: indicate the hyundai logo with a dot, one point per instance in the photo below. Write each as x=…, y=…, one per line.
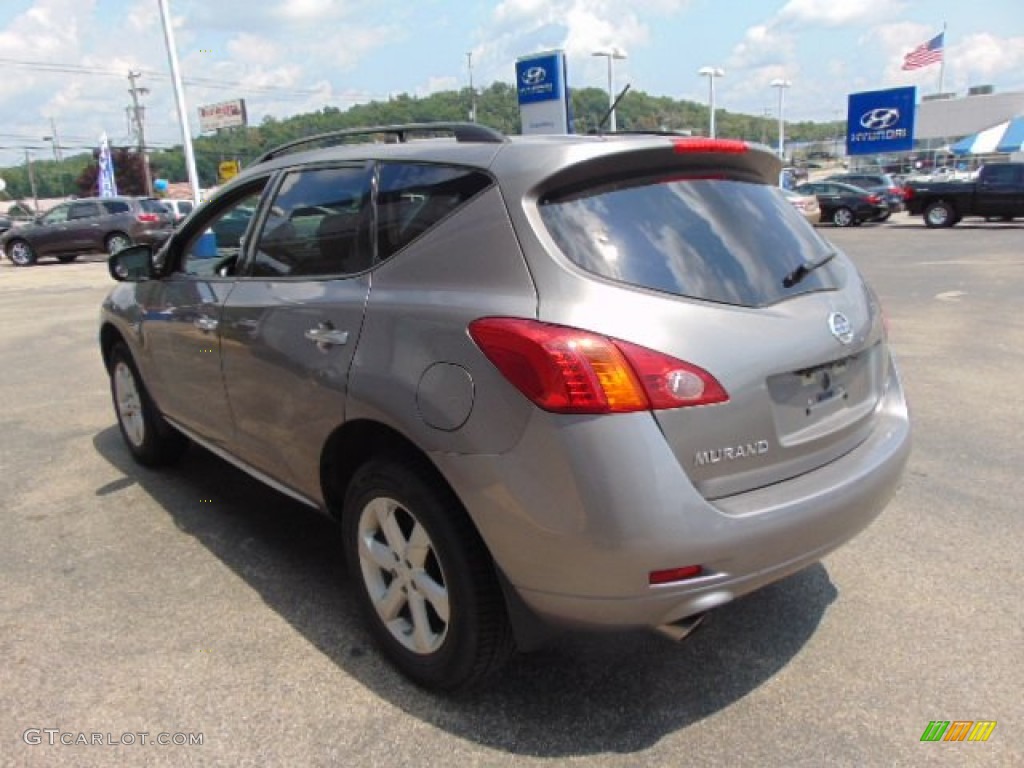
x=880, y=118
x=841, y=327
x=535, y=76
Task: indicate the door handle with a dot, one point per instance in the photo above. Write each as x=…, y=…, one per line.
x=325, y=336
x=206, y=324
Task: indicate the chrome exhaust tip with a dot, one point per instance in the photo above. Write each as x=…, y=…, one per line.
x=680, y=630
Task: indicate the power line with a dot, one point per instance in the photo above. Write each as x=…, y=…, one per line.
x=206, y=82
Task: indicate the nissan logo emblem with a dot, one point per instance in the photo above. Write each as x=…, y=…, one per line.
x=841, y=327
x=880, y=118
x=535, y=76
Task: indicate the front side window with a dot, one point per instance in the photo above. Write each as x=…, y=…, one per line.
x=717, y=240
x=218, y=242
x=57, y=216
x=318, y=224
x=413, y=197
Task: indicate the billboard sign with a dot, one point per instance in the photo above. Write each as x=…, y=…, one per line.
x=880, y=121
x=543, y=93
x=226, y=114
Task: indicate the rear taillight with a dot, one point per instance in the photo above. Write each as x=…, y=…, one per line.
x=908, y=192
x=567, y=370
x=874, y=199
x=724, y=146
x=147, y=218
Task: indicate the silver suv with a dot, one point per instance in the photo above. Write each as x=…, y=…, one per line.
x=605, y=381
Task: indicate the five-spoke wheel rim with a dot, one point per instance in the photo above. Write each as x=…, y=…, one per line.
x=403, y=575
x=21, y=253
x=129, y=404
x=117, y=243
x=844, y=217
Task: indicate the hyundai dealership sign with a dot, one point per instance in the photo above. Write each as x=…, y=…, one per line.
x=543, y=93
x=880, y=121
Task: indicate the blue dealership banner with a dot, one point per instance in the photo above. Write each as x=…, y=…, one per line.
x=880, y=121
x=543, y=93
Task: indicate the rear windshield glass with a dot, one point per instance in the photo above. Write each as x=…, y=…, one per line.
x=725, y=241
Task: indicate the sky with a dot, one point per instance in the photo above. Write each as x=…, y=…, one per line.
x=67, y=61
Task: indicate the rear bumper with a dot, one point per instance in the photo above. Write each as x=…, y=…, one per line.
x=578, y=517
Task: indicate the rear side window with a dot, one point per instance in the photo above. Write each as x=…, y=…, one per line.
x=412, y=198
x=725, y=241
x=116, y=206
x=149, y=205
x=1002, y=174
x=84, y=211
x=317, y=225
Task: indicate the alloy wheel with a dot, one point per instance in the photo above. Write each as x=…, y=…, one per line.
x=403, y=575
x=129, y=404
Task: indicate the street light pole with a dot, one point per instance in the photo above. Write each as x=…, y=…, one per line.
x=711, y=73
x=179, y=94
x=472, y=91
x=611, y=54
x=782, y=85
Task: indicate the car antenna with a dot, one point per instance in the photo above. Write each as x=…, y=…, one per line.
x=600, y=126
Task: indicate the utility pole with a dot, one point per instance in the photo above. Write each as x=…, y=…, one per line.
x=58, y=156
x=139, y=119
x=32, y=180
x=472, y=91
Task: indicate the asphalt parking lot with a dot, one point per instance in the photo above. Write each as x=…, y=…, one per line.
x=195, y=602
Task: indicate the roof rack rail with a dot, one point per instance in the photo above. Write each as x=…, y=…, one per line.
x=468, y=132
x=641, y=132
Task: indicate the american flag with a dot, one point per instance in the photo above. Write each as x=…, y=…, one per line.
x=925, y=53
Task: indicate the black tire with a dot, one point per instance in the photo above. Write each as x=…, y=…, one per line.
x=940, y=214
x=448, y=627
x=152, y=441
x=116, y=241
x=844, y=217
x=21, y=253
x=67, y=258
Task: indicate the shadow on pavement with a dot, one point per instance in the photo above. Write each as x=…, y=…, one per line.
x=582, y=695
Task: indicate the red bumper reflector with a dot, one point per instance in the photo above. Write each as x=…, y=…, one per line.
x=675, y=574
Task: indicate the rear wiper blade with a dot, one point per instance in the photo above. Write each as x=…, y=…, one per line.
x=798, y=274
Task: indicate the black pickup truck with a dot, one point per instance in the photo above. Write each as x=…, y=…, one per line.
x=998, y=193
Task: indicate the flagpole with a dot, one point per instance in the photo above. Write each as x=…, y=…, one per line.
x=942, y=61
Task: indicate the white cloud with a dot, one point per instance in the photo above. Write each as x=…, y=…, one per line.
x=833, y=13
x=986, y=55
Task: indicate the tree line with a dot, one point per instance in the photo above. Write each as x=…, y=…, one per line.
x=496, y=106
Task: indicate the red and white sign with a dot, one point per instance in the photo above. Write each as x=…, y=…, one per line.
x=226, y=114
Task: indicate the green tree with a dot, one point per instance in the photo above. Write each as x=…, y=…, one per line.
x=129, y=173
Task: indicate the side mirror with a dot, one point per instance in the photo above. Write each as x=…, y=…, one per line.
x=134, y=264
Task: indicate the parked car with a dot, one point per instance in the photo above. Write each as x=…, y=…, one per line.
x=179, y=208
x=87, y=225
x=806, y=204
x=844, y=204
x=998, y=193
x=883, y=184
x=591, y=381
